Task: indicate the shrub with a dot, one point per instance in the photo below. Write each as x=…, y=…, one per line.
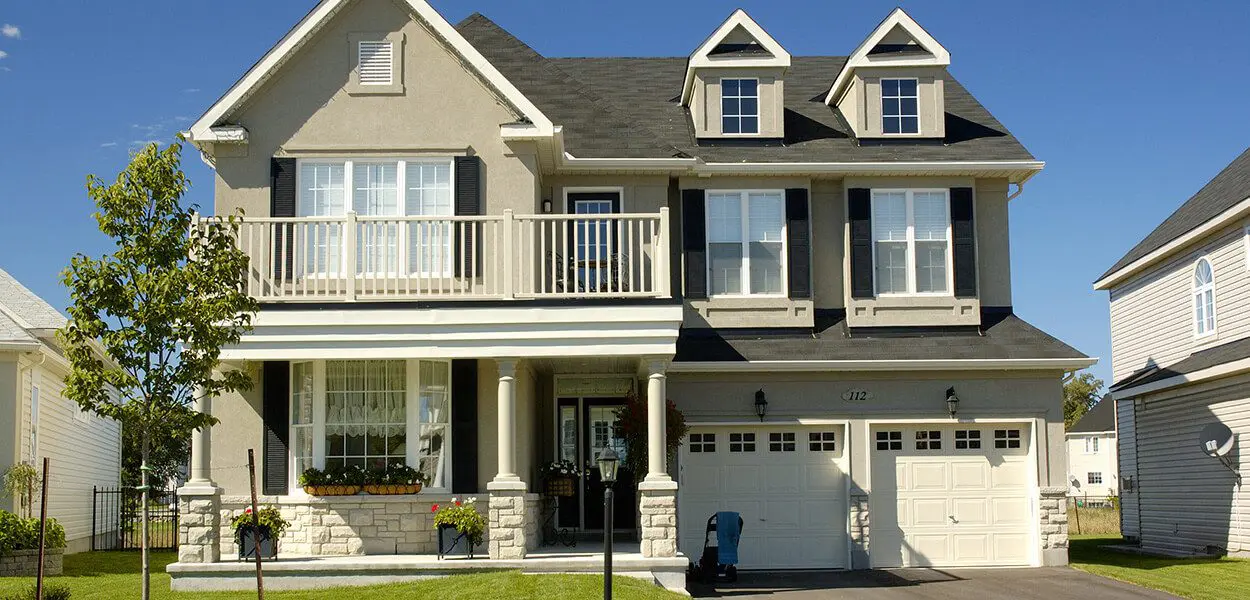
x=464, y=517
x=51, y=591
x=17, y=533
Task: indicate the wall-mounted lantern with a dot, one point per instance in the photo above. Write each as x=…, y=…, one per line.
x=761, y=405
x=546, y=206
x=952, y=402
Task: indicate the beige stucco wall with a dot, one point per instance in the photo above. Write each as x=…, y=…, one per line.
x=706, y=107
x=729, y=397
x=828, y=213
x=640, y=193
x=488, y=422
x=307, y=111
x=993, y=242
x=241, y=427
x=863, y=101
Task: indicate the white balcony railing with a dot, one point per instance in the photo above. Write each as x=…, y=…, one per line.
x=457, y=258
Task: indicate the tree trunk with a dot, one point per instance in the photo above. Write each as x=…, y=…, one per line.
x=143, y=543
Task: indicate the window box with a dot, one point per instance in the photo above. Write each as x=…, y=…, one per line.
x=392, y=489
x=331, y=490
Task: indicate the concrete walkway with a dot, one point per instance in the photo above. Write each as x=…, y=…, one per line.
x=928, y=584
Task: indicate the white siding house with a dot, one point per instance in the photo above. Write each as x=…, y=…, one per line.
x=1180, y=338
x=1093, y=475
x=85, y=450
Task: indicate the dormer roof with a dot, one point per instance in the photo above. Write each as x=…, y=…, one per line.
x=738, y=42
x=899, y=41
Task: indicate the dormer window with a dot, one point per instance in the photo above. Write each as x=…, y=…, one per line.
x=900, y=106
x=740, y=106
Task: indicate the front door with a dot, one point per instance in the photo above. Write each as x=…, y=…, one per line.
x=587, y=426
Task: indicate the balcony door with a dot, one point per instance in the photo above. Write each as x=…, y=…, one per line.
x=593, y=241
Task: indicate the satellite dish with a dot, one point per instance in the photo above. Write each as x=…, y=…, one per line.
x=1216, y=440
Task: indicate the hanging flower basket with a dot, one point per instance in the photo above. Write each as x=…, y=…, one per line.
x=558, y=487
x=558, y=478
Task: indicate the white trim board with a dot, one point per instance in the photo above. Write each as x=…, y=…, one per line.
x=700, y=59
x=979, y=364
x=203, y=129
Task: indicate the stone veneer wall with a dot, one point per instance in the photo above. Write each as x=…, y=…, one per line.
x=860, y=520
x=346, y=525
x=659, y=523
x=197, y=525
x=1054, y=523
x=25, y=563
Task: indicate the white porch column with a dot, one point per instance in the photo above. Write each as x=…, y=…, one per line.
x=657, y=401
x=199, y=501
x=508, y=540
x=202, y=445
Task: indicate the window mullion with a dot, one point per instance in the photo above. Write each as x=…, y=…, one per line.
x=744, y=280
x=911, y=243
x=319, y=413
x=411, y=404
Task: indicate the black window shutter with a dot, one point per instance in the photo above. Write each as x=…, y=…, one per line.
x=965, y=246
x=799, y=239
x=282, y=204
x=276, y=399
x=464, y=426
x=694, y=242
x=468, y=202
x=859, y=213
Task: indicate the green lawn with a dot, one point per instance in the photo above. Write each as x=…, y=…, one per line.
x=1198, y=578
x=109, y=575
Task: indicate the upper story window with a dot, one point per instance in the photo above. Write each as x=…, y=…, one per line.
x=1091, y=445
x=740, y=106
x=377, y=62
x=900, y=106
x=746, y=243
x=1204, y=298
x=911, y=241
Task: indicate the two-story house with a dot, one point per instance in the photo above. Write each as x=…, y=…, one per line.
x=1180, y=348
x=469, y=254
x=1093, y=472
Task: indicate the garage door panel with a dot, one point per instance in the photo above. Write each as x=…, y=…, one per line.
x=743, y=480
x=1011, y=547
x=972, y=547
x=928, y=512
x=929, y=549
x=1010, y=475
x=928, y=476
x=971, y=511
x=821, y=478
x=785, y=479
x=1009, y=511
x=784, y=514
x=704, y=479
x=969, y=475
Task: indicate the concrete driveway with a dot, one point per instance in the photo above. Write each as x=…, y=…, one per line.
x=928, y=584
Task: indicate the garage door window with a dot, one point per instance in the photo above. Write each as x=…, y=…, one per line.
x=742, y=442
x=1006, y=438
x=821, y=441
x=703, y=442
x=928, y=440
x=967, y=439
x=1094, y=477
x=781, y=442
x=889, y=440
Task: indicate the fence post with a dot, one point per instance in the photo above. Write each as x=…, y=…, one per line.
x=94, y=512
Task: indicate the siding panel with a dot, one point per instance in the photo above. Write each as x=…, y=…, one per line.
x=1126, y=433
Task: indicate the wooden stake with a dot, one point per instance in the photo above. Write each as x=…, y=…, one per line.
x=43, y=528
x=251, y=473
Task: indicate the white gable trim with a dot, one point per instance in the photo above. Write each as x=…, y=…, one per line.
x=739, y=18
x=859, y=58
x=204, y=129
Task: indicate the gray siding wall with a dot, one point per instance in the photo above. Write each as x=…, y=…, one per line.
x=1188, y=500
x=1126, y=430
x=1152, y=320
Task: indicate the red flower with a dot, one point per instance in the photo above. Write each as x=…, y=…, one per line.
x=457, y=503
x=247, y=511
x=434, y=508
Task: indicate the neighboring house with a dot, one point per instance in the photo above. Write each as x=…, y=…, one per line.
x=1093, y=475
x=468, y=254
x=1180, y=346
x=85, y=449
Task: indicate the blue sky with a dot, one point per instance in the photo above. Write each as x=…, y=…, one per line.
x=1133, y=105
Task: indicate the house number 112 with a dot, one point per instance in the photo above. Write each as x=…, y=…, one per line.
x=857, y=395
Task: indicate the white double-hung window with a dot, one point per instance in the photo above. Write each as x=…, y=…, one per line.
x=746, y=243
x=911, y=236
x=370, y=414
x=385, y=195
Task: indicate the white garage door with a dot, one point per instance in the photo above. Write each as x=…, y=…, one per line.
x=948, y=496
x=787, y=482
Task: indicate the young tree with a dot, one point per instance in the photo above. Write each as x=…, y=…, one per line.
x=158, y=308
x=1080, y=394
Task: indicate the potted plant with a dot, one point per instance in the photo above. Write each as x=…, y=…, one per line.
x=463, y=518
x=395, y=479
x=265, y=531
x=558, y=478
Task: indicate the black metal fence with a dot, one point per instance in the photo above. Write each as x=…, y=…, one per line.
x=117, y=519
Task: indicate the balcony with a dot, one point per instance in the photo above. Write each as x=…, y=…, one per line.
x=492, y=257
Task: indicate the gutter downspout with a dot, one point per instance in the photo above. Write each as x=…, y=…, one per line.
x=1019, y=190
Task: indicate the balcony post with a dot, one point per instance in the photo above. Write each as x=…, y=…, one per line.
x=663, y=257
x=349, y=269
x=510, y=255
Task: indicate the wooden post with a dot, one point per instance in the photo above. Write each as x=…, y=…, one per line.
x=1076, y=510
x=43, y=528
x=251, y=474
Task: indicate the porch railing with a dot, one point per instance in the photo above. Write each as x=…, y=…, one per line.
x=500, y=257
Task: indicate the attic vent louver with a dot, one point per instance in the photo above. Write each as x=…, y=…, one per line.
x=376, y=62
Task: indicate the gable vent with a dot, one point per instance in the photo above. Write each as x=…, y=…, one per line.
x=377, y=62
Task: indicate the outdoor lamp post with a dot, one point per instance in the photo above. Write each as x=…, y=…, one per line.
x=608, y=463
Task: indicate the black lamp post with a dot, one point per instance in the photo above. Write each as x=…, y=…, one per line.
x=608, y=463
x=952, y=402
x=761, y=405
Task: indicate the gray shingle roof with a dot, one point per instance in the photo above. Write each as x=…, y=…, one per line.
x=1231, y=186
x=629, y=108
x=26, y=306
x=10, y=331
x=1001, y=337
x=1100, y=418
x=1211, y=357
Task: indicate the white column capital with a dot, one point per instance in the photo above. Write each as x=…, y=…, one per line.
x=657, y=365
x=507, y=367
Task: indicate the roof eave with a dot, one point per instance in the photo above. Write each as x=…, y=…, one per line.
x=1034, y=364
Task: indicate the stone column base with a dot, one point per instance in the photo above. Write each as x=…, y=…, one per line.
x=199, y=520
x=508, y=539
x=658, y=505
x=1054, y=525
x=860, y=520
